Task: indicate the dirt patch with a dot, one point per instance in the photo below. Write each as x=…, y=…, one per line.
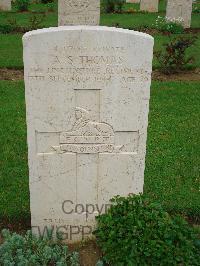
x=89, y=252
x=11, y=74
x=20, y=225
x=191, y=75
x=192, y=30
x=153, y=32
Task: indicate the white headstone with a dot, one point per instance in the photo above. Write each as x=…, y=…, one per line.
x=87, y=98
x=180, y=11
x=149, y=5
x=5, y=5
x=78, y=12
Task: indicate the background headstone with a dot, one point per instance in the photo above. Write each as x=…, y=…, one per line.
x=149, y=5
x=78, y=12
x=180, y=10
x=5, y=5
x=87, y=97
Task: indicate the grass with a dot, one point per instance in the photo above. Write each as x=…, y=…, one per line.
x=138, y=20
x=133, y=20
x=171, y=175
x=11, y=51
x=23, y=19
x=161, y=7
x=172, y=167
x=14, y=195
x=38, y=7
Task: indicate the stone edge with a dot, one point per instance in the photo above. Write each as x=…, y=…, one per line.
x=82, y=28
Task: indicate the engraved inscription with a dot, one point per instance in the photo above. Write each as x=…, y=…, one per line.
x=93, y=148
x=78, y=3
x=84, y=126
x=87, y=136
x=95, y=68
x=79, y=12
x=65, y=138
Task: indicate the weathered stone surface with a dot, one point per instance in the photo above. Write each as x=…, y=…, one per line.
x=180, y=11
x=87, y=98
x=149, y=5
x=78, y=12
x=132, y=1
x=5, y=5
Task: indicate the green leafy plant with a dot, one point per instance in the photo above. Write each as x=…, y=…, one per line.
x=10, y=26
x=35, y=21
x=22, y=5
x=172, y=58
x=110, y=6
x=6, y=28
x=46, y=1
x=29, y=250
x=50, y=6
x=119, y=5
x=196, y=8
x=137, y=231
x=100, y=263
x=163, y=25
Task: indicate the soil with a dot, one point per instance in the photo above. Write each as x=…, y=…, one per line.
x=89, y=253
x=11, y=74
x=192, y=30
x=19, y=226
x=189, y=75
x=155, y=31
